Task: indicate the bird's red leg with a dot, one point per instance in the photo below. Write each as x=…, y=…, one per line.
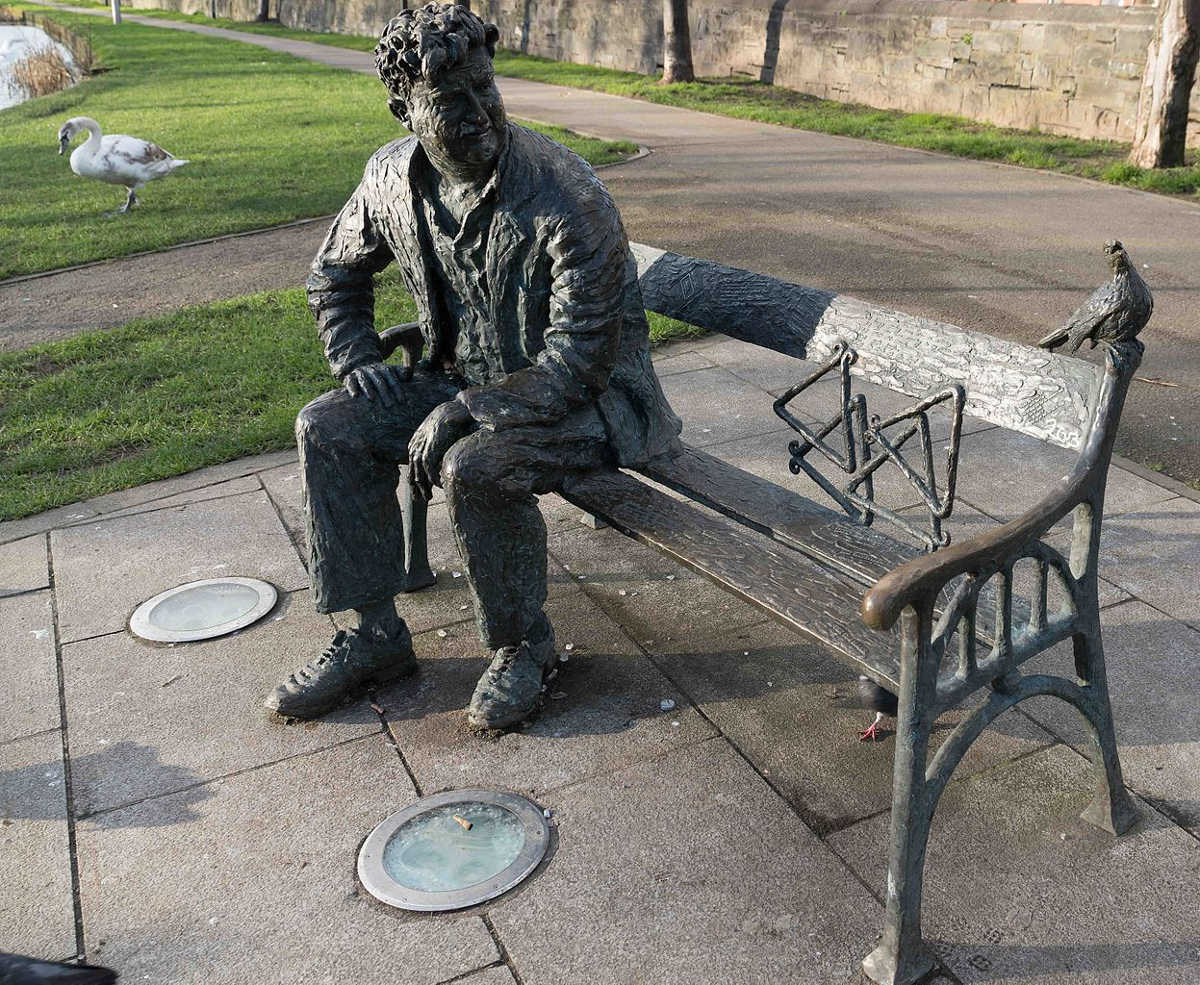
x=871, y=734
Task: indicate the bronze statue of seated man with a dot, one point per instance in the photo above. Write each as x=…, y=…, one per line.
x=536, y=365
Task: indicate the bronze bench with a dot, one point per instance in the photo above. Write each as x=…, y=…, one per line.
x=931, y=624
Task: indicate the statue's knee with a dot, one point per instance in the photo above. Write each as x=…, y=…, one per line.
x=307, y=423
x=464, y=468
x=320, y=420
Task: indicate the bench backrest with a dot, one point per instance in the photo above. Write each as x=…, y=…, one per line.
x=1015, y=386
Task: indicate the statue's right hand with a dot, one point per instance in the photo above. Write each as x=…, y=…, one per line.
x=376, y=381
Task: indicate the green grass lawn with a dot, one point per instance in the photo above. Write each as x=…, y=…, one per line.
x=746, y=99
x=163, y=396
x=270, y=138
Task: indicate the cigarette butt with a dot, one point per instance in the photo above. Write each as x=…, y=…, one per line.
x=467, y=825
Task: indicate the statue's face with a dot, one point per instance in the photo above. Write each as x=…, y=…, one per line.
x=460, y=116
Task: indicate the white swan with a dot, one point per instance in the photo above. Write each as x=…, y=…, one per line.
x=117, y=159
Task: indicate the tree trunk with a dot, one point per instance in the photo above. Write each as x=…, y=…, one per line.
x=677, y=43
x=264, y=10
x=116, y=11
x=1160, y=133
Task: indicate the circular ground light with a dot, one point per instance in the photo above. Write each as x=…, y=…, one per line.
x=453, y=850
x=202, y=610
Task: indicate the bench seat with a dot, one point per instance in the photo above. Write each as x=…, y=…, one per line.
x=791, y=586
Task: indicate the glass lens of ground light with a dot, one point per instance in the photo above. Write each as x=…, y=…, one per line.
x=454, y=847
x=203, y=607
x=203, y=610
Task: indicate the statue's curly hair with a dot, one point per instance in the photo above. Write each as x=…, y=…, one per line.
x=422, y=42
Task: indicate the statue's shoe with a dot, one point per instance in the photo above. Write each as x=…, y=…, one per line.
x=510, y=688
x=350, y=664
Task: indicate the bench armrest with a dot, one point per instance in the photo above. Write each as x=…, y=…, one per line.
x=922, y=578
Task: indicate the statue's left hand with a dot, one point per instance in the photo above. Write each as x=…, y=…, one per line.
x=446, y=424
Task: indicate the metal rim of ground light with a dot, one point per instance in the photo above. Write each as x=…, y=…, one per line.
x=384, y=888
x=140, y=625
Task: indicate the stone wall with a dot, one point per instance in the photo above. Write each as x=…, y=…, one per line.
x=1061, y=68
x=1058, y=67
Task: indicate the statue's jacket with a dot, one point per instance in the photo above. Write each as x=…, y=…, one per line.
x=567, y=325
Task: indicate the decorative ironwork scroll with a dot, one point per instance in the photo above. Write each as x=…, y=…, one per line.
x=868, y=443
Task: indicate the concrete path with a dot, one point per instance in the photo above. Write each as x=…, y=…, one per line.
x=154, y=820
x=989, y=247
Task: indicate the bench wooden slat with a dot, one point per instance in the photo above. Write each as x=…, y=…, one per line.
x=1039, y=393
x=788, y=585
x=864, y=553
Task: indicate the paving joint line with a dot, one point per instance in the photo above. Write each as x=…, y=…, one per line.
x=474, y=971
x=301, y=554
x=68, y=778
x=21, y=593
x=40, y=733
x=208, y=781
x=504, y=955
x=121, y=514
x=391, y=740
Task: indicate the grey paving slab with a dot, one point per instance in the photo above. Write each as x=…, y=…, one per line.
x=602, y=712
x=784, y=703
x=24, y=566
x=1019, y=889
x=37, y=912
x=1151, y=661
x=1004, y=473
x=717, y=406
x=231, y=487
x=104, y=569
x=39, y=523
x=764, y=368
x=147, y=720
x=681, y=361
x=1154, y=553
x=254, y=882
x=649, y=596
x=686, y=869
x=28, y=667
x=164, y=489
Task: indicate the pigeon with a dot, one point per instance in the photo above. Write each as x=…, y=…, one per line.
x=879, y=700
x=1115, y=312
x=16, y=969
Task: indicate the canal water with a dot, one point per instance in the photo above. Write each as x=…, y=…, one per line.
x=16, y=41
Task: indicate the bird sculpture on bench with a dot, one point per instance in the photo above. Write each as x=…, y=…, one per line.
x=1115, y=312
x=16, y=969
x=115, y=158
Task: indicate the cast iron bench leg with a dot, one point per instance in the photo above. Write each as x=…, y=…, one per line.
x=901, y=957
x=417, y=572
x=1111, y=809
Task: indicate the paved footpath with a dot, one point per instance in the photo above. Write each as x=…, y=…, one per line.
x=153, y=819
x=989, y=247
